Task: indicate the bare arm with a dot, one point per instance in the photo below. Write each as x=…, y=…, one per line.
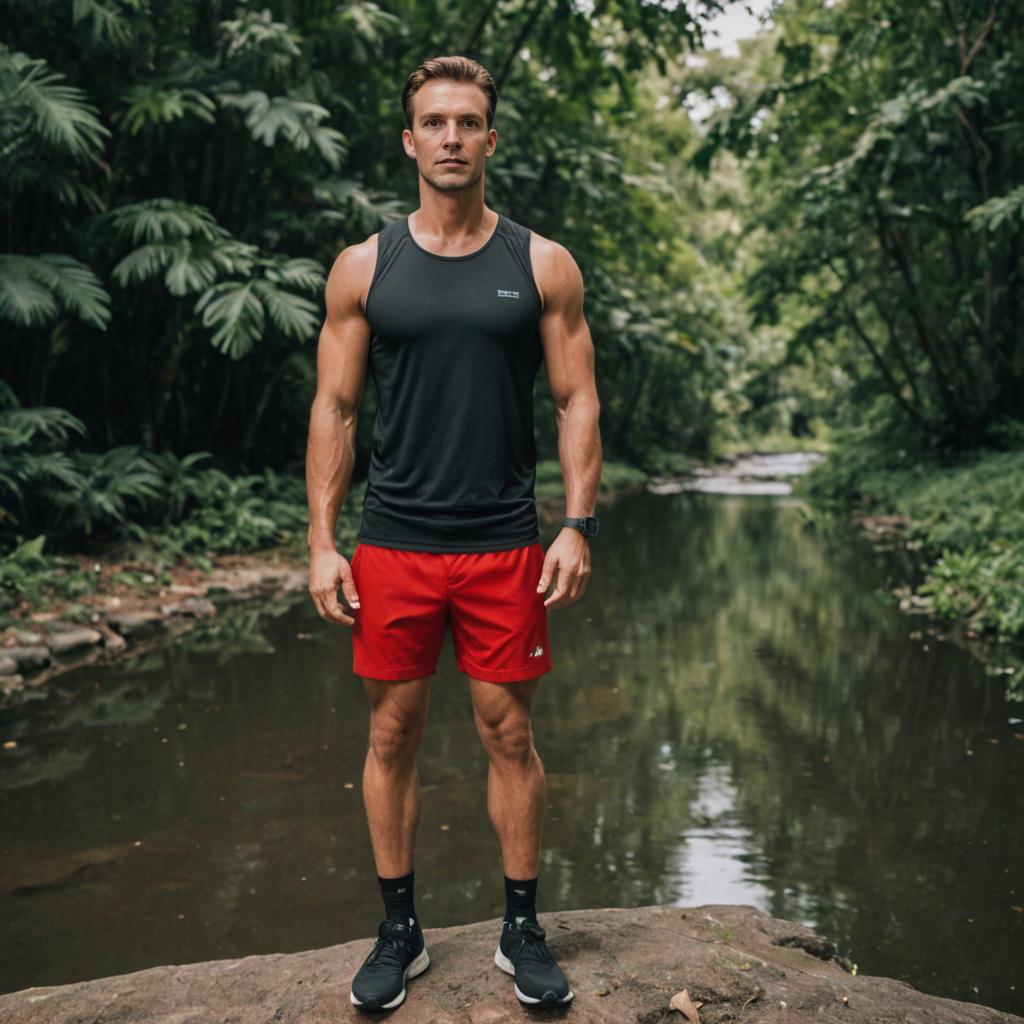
x=342, y=355
x=569, y=359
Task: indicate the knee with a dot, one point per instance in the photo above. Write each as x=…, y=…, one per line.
x=394, y=740
x=508, y=740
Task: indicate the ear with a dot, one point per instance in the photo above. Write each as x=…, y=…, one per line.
x=408, y=144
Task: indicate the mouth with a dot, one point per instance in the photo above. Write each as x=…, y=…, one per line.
x=451, y=163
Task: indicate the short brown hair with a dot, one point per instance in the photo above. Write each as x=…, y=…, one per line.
x=457, y=69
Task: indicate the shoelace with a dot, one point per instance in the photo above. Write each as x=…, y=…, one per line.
x=533, y=946
x=389, y=949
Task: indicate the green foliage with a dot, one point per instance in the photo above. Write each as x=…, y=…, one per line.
x=245, y=147
x=34, y=290
x=29, y=574
x=39, y=115
x=295, y=121
x=882, y=151
x=966, y=518
x=981, y=587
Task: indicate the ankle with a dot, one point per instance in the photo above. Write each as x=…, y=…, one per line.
x=520, y=898
x=398, y=896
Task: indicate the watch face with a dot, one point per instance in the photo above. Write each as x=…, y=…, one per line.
x=591, y=524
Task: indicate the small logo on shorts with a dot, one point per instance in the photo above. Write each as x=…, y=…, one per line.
x=537, y=652
x=506, y=293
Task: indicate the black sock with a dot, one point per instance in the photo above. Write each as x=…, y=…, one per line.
x=398, y=897
x=520, y=898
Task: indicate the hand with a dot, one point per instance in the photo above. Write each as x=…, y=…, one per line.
x=569, y=557
x=327, y=571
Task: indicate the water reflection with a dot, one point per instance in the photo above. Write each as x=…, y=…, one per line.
x=736, y=715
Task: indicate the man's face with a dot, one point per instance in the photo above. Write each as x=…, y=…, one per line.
x=450, y=140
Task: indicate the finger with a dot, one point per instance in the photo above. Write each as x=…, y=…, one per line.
x=580, y=582
x=546, y=573
x=329, y=608
x=559, y=592
x=348, y=586
x=337, y=613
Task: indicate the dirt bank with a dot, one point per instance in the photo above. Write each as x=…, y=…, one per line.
x=736, y=962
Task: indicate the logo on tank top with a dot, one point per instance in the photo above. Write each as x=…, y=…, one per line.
x=504, y=293
x=537, y=652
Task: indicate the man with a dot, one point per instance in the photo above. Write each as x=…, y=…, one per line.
x=452, y=309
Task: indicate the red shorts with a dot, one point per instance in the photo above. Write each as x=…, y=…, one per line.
x=406, y=598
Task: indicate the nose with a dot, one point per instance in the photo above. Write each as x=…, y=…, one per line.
x=451, y=135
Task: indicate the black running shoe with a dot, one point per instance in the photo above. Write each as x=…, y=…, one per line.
x=523, y=953
x=399, y=954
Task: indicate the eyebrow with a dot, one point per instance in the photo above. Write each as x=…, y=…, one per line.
x=438, y=113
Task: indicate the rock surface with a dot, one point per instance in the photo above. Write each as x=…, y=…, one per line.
x=136, y=620
x=736, y=962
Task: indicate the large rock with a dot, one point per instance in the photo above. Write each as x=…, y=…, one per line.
x=137, y=624
x=65, y=638
x=624, y=965
x=30, y=658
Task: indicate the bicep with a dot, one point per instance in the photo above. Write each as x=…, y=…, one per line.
x=568, y=346
x=344, y=345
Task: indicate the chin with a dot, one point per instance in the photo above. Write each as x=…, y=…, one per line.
x=450, y=184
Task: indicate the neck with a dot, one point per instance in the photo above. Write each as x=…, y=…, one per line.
x=451, y=217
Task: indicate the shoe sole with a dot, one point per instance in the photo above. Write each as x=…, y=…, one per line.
x=509, y=968
x=415, y=968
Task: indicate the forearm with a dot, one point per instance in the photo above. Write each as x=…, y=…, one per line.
x=579, y=451
x=330, y=458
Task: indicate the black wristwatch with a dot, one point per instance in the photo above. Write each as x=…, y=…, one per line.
x=587, y=525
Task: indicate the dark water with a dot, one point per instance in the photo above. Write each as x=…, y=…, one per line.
x=736, y=715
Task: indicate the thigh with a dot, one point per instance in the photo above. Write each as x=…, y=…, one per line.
x=495, y=707
x=400, y=706
x=499, y=622
x=401, y=620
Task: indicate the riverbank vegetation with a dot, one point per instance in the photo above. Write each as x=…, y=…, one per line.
x=815, y=243
x=965, y=518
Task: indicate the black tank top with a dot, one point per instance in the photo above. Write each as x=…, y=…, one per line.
x=453, y=357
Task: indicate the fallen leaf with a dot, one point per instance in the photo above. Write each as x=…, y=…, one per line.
x=1019, y=910
x=682, y=1002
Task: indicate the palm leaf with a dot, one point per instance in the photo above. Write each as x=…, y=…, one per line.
x=297, y=121
x=105, y=25
x=160, y=220
x=33, y=289
x=234, y=309
x=142, y=264
x=299, y=273
x=294, y=316
x=23, y=299
x=59, y=114
x=151, y=105
x=43, y=421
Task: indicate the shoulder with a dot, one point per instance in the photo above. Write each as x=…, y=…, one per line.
x=557, y=274
x=351, y=274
